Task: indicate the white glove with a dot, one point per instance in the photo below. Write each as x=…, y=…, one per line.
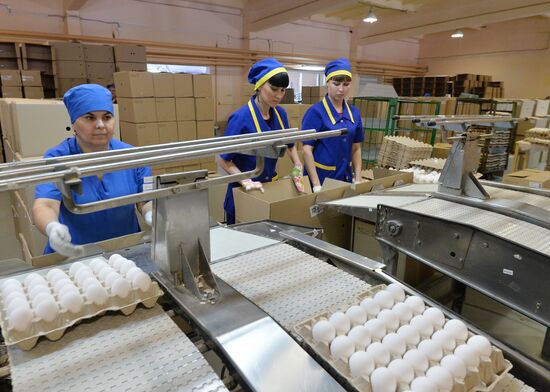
x=317, y=189
x=249, y=185
x=60, y=240
x=148, y=217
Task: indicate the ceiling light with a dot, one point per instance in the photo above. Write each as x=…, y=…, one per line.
x=371, y=18
x=311, y=67
x=457, y=34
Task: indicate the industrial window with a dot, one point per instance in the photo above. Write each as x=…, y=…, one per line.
x=173, y=68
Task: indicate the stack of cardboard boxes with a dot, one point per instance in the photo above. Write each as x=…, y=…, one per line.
x=39, y=58
x=32, y=84
x=533, y=113
x=69, y=66
x=100, y=64
x=130, y=58
x=10, y=57
x=10, y=81
x=312, y=94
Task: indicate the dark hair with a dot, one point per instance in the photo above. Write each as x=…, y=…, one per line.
x=341, y=78
x=110, y=85
x=279, y=80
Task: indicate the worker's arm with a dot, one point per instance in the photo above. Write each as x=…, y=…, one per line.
x=146, y=210
x=294, y=157
x=310, y=167
x=45, y=211
x=356, y=161
x=231, y=168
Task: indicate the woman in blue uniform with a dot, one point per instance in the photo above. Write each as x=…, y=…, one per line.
x=91, y=111
x=260, y=114
x=335, y=157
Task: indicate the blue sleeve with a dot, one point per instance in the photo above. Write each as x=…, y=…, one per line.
x=234, y=127
x=312, y=120
x=359, y=132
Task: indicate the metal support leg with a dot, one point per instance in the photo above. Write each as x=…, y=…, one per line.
x=546, y=345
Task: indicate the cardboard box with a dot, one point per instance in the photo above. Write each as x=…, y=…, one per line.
x=99, y=53
x=64, y=84
x=100, y=70
x=202, y=86
x=211, y=167
x=306, y=91
x=187, y=130
x=185, y=109
x=69, y=69
x=67, y=51
x=9, y=50
x=441, y=150
x=205, y=129
x=365, y=242
x=12, y=92
x=163, y=84
x=139, y=134
x=134, y=84
x=29, y=236
x=541, y=107
x=130, y=54
x=524, y=108
x=10, y=78
x=36, y=51
x=168, y=132
x=9, y=246
x=183, y=85
x=315, y=92
x=166, y=109
x=204, y=109
x=531, y=178
x=31, y=78
x=101, y=81
x=137, y=67
x=33, y=92
x=137, y=110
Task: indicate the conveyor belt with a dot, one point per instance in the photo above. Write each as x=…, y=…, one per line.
x=145, y=351
x=288, y=284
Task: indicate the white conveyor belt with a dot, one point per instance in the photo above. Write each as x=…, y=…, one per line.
x=145, y=351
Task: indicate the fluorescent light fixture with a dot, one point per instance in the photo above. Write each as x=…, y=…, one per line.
x=311, y=67
x=371, y=18
x=457, y=34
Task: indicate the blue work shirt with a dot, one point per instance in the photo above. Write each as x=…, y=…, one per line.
x=248, y=119
x=100, y=225
x=333, y=155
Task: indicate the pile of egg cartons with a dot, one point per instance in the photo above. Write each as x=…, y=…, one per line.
x=399, y=151
x=48, y=301
x=389, y=342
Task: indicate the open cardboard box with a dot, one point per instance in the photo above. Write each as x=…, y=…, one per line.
x=529, y=177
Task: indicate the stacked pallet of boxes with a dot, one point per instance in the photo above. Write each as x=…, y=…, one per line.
x=533, y=113
x=32, y=84
x=100, y=64
x=10, y=81
x=130, y=58
x=312, y=94
x=10, y=57
x=38, y=58
x=204, y=114
x=69, y=66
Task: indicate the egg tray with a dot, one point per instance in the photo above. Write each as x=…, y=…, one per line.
x=55, y=329
x=482, y=379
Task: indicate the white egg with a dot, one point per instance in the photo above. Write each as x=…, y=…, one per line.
x=53, y=272
x=441, y=377
x=402, y=311
x=57, y=277
x=109, y=280
x=17, y=303
x=88, y=281
x=423, y=384
x=141, y=281
x=445, y=339
x=120, y=287
x=13, y=295
x=416, y=304
x=82, y=274
x=396, y=291
x=379, y=353
x=417, y=360
x=104, y=272
x=383, y=380
x=73, y=269
x=323, y=331
x=12, y=288
x=37, y=289
x=468, y=354
x=402, y=370
x=133, y=272
x=455, y=365
x=395, y=343
x=481, y=344
x=409, y=334
x=62, y=283
x=377, y=328
x=96, y=294
x=431, y=349
x=342, y=347
x=71, y=301
x=360, y=336
x=125, y=266
x=11, y=282
x=389, y=318
x=96, y=264
x=341, y=322
x=47, y=310
x=423, y=325
x=66, y=289
x=40, y=298
x=384, y=299
x=436, y=317
x=371, y=307
x=458, y=329
x=114, y=257
x=20, y=319
x=357, y=315
x=360, y=364
x=34, y=277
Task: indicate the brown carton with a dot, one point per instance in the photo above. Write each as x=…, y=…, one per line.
x=99, y=53
x=33, y=92
x=137, y=110
x=531, y=178
x=163, y=84
x=31, y=78
x=187, y=130
x=69, y=69
x=12, y=92
x=185, y=109
x=316, y=92
x=204, y=109
x=101, y=81
x=100, y=70
x=168, y=132
x=139, y=134
x=166, y=109
x=134, y=84
x=183, y=85
x=64, y=84
x=205, y=129
x=130, y=54
x=306, y=91
x=10, y=78
x=67, y=51
x=124, y=66
x=202, y=86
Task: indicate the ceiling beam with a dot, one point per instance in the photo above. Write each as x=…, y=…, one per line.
x=455, y=15
x=264, y=14
x=73, y=5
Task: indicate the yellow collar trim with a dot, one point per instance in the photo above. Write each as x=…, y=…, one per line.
x=329, y=112
x=339, y=72
x=255, y=118
x=349, y=112
x=268, y=76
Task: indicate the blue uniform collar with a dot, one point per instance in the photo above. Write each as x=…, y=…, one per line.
x=258, y=120
x=75, y=147
x=333, y=114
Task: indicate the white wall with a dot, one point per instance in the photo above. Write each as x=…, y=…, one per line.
x=403, y=52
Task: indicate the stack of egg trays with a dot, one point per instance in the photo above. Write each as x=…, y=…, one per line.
x=55, y=329
x=483, y=379
x=430, y=163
